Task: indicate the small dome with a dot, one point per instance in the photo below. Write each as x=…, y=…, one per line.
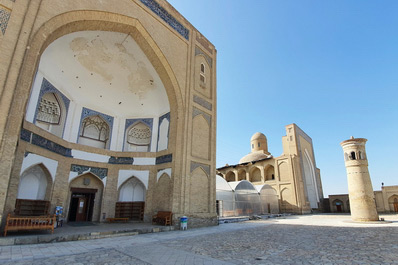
x=258, y=136
x=254, y=156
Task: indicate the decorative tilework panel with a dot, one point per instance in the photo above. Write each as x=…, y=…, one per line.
x=202, y=102
x=4, y=17
x=198, y=51
x=88, y=112
x=196, y=112
x=25, y=135
x=169, y=19
x=121, y=160
x=195, y=165
x=47, y=87
x=100, y=172
x=164, y=159
x=129, y=122
x=50, y=145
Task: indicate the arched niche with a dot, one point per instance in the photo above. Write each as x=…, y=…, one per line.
x=199, y=191
x=242, y=175
x=269, y=199
x=283, y=169
x=255, y=175
x=35, y=183
x=200, y=137
x=230, y=176
x=138, y=138
x=338, y=206
x=95, y=132
x=162, y=194
x=393, y=203
x=287, y=200
x=132, y=190
x=269, y=173
x=51, y=113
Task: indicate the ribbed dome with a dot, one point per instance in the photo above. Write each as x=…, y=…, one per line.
x=258, y=136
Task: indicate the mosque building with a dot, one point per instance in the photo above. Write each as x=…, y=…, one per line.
x=108, y=108
x=292, y=177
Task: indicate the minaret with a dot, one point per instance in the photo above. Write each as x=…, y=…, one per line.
x=362, y=202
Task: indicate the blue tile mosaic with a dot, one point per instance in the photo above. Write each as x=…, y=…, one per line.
x=164, y=159
x=169, y=19
x=198, y=51
x=25, y=135
x=4, y=17
x=196, y=112
x=50, y=145
x=98, y=171
x=204, y=103
x=47, y=87
x=121, y=160
x=195, y=165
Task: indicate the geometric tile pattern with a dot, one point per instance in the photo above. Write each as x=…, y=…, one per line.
x=4, y=17
x=202, y=102
x=169, y=19
x=164, y=159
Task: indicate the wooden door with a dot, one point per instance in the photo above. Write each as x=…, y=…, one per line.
x=81, y=214
x=396, y=207
x=339, y=210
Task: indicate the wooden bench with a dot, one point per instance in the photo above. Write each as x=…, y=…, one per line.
x=117, y=219
x=162, y=217
x=15, y=223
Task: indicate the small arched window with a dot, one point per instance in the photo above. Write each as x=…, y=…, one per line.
x=202, y=76
x=353, y=156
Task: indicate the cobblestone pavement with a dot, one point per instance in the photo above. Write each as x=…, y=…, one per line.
x=316, y=239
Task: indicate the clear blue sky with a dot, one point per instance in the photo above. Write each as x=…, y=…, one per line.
x=331, y=67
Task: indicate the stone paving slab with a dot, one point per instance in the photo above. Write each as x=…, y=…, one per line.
x=316, y=239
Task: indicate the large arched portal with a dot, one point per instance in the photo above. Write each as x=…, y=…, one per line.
x=107, y=84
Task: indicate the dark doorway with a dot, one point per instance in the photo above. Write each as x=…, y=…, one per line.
x=339, y=209
x=81, y=205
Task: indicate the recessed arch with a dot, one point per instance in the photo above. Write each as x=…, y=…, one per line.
x=230, y=176
x=255, y=174
x=35, y=183
x=132, y=190
x=75, y=21
x=241, y=175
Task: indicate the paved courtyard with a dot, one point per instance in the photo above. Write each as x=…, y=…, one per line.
x=309, y=239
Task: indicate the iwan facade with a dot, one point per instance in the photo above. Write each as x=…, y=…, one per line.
x=104, y=102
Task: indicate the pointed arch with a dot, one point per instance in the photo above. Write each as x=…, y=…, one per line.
x=230, y=176
x=35, y=183
x=241, y=174
x=200, y=137
x=138, y=137
x=162, y=193
x=199, y=191
x=269, y=172
x=255, y=174
x=132, y=190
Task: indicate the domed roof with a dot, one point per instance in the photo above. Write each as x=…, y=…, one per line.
x=254, y=156
x=258, y=136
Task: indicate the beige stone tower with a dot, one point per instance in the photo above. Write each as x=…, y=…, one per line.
x=362, y=203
